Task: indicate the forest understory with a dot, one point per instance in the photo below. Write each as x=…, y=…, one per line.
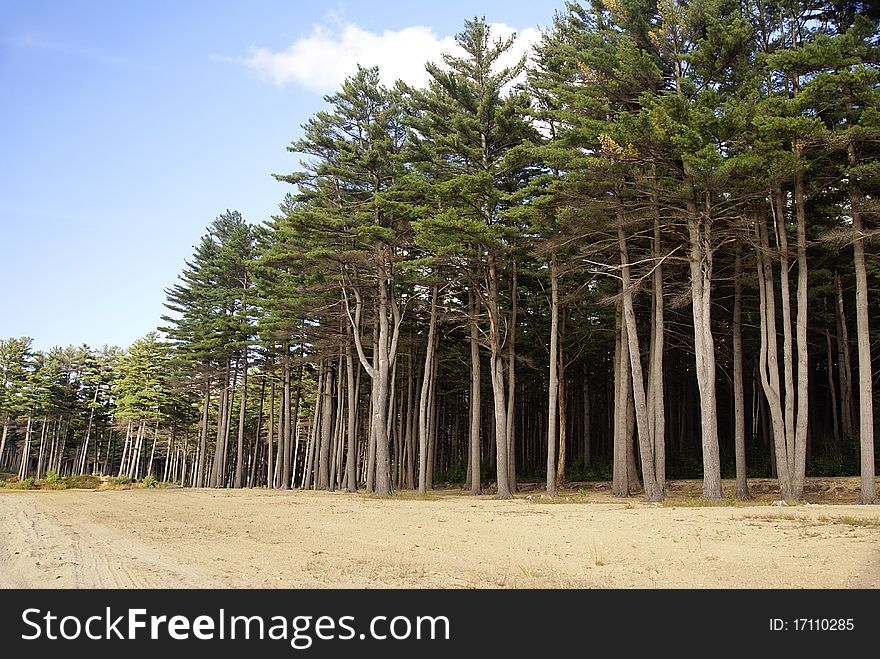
x=583, y=538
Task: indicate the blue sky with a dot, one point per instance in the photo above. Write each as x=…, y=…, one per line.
x=127, y=127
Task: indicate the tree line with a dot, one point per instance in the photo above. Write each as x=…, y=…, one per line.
x=645, y=253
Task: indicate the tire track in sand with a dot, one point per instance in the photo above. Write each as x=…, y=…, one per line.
x=39, y=549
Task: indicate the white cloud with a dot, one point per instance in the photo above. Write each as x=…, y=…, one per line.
x=321, y=60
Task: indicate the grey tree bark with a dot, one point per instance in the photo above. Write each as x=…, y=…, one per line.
x=553, y=389
x=239, y=460
x=475, y=396
x=701, y=255
x=739, y=412
x=863, y=341
x=425, y=395
x=653, y=491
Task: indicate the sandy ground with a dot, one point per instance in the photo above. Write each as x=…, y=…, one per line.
x=206, y=538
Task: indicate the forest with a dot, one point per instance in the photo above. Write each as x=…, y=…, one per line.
x=644, y=253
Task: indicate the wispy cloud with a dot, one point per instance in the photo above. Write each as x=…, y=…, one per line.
x=322, y=59
x=36, y=43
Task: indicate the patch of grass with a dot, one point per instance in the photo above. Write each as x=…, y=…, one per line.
x=598, y=555
x=122, y=480
x=860, y=521
x=822, y=519
x=851, y=521
x=786, y=517
x=703, y=502
x=403, y=495
x=85, y=482
x=559, y=498
x=26, y=484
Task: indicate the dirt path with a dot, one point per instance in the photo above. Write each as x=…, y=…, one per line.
x=256, y=538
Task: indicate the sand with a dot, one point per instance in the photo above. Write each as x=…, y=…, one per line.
x=166, y=538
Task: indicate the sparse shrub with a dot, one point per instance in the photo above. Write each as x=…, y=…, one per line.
x=121, y=480
x=26, y=484
x=149, y=481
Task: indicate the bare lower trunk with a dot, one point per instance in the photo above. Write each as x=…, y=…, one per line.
x=863, y=341
x=270, y=452
x=739, y=412
x=338, y=427
x=425, y=395
x=788, y=393
x=563, y=425
x=656, y=402
x=768, y=360
x=352, y=399
x=24, y=466
x=323, y=475
x=620, y=474
x=3, y=440
x=239, y=459
x=802, y=420
x=844, y=366
x=85, y=450
x=496, y=367
x=700, y=235
x=202, y=451
x=553, y=389
x=653, y=492
x=511, y=381
x=387, y=333
x=284, y=422
x=149, y=471
x=475, y=397
x=832, y=389
x=586, y=456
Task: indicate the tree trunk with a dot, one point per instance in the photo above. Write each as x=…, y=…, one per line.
x=788, y=393
x=85, y=451
x=563, y=427
x=24, y=467
x=323, y=478
x=239, y=460
x=475, y=396
x=739, y=412
x=351, y=429
x=844, y=365
x=653, y=491
x=863, y=341
x=149, y=471
x=803, y=400
x=832, y=389
x=3, y=440
x=39, y=471
x=496, y=367
x=656, y=402
x=768, y=361
x=338, y=427
x=700, y=236
x=202, y=450
x=270, y=460
x=553, y=389
x=424, y=395
x=285, y=422
x=511, y=380
x=620, y=474
x=586, y=456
